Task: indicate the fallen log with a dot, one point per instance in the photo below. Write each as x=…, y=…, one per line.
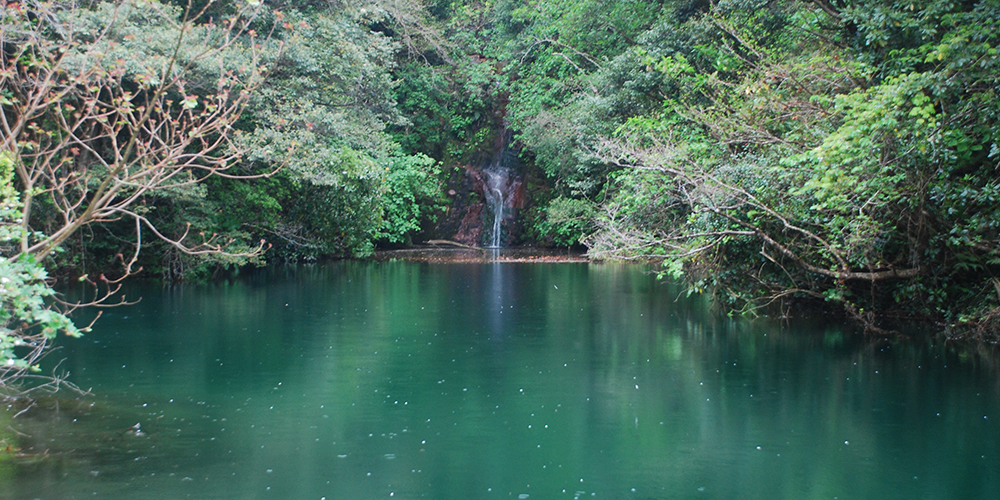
x=454, y=244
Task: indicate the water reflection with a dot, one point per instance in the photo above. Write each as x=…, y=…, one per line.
x=499, y=296
x=365, y=380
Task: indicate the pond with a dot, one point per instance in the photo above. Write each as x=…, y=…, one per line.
x=366, y=380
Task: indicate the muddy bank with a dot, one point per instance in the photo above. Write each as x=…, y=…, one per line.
x=432, y=253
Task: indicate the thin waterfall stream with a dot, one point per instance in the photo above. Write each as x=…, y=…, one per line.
x=496, y=185
x=487, y=199
x=500, y=185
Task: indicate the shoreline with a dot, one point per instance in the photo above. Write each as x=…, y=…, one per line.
x=441, y=254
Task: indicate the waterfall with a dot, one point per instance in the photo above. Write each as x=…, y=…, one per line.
x=496, y=188
x=487, y=199
x=500, y=186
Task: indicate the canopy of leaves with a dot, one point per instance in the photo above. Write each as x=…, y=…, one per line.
x=848, y=156
x=773, y=152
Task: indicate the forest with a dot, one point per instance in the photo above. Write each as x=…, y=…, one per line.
x=834, y=156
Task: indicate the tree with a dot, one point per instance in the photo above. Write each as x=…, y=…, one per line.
x=323, y=114
x=103, y=106
x=813, y=152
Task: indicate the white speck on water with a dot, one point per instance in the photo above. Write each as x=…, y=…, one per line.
x=847, y=442
x=758, y=447
x=701, y=488
x=522, y=496
x=553, y=286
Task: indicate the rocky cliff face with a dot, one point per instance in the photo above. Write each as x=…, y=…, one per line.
x=487, y=199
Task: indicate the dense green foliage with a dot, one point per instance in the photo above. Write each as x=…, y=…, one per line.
x=773, y=151
x=317, y=174
x=185, y=139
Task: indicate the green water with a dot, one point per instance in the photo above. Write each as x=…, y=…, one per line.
x=367, y=380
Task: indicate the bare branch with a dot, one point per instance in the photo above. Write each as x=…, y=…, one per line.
x=93, y=134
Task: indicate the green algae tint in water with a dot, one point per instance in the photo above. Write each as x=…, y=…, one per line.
x=466, y=381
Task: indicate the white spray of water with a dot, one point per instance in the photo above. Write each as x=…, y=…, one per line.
x=497, y=198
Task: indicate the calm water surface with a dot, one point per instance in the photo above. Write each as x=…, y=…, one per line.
x=368, y=380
